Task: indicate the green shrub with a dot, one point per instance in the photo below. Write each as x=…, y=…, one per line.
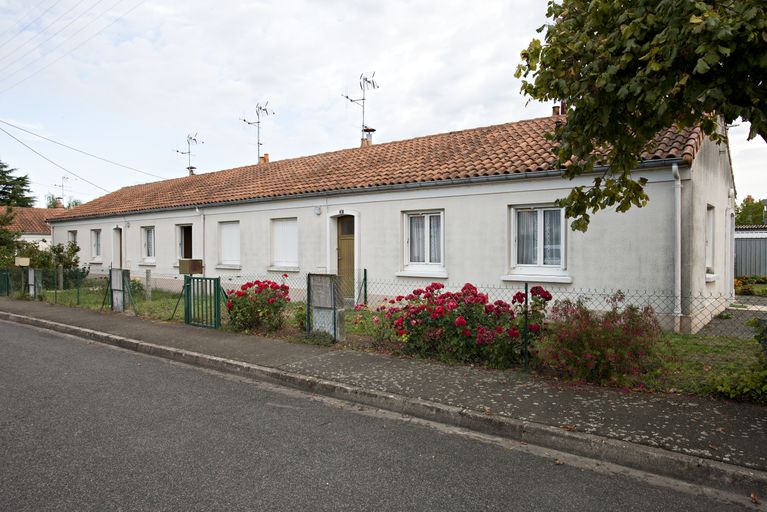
x=136, y=289
x=746, y=289
x=615, y=347
x=745, y=383
x=258, y=305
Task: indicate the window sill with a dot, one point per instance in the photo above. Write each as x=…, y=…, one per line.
x=710, y=278
x=279, y=268
x=96, y=262
x=538, y=278
x=431, y=274
x=147, y=264
x=225, y=266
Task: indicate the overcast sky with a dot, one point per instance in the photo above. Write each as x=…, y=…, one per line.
x=128, y=80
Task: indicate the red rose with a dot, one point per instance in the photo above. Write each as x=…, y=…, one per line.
x=460, y=321
x=535, y=327
x=467, y=333
x=229, y=305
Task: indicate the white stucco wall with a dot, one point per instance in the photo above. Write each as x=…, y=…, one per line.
x=628, y=251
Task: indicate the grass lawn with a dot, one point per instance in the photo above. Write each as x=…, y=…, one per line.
x=694, y=363
x=91, y=296
x=760, y=289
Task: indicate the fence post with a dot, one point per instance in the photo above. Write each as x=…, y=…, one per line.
x=186, y=292
x=60, y=270
x=308, y=303
x=217, y=318
x=365, y=286
x=148, y=285
x=335, y=307
x=526, y=353
x=78, y=282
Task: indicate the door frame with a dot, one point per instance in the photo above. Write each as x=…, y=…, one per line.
x=117, y=246
x=332, y=244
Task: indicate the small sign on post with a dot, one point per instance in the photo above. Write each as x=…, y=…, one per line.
x=188, y=266
x=22, y=262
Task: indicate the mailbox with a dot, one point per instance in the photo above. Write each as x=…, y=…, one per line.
x=189, y=266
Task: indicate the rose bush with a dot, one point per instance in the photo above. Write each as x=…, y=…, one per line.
x=258, y=305
x=461, y=326
x=615, y=347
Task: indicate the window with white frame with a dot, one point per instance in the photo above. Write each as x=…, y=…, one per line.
x=72, y=236
x=538, y=235
x=424, y=240
x=285, y=243
x=229, y=241
x=95, y=243
x=710, y=239
x=147, y=242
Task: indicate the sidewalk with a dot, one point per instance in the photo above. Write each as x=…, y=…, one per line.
x=729, y=432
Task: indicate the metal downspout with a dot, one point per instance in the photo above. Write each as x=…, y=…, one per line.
x=677, y=247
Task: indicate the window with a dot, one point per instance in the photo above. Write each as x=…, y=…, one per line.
x=538, y=237
x=229, y=241
x=72, y=236
x=424, y=245
x=710, y=239
x=285, y=243
x=184, y=237
x=147, y=242
x=95, y=243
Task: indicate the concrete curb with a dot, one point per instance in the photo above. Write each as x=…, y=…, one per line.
x=694, y=470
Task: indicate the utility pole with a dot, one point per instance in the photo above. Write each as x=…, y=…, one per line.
x=366, y=83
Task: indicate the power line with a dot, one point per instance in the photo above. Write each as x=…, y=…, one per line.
x=74, y=49
x=22, y=29
x=40, y=45
x=42, y=31
x=81, y=151
x=65, y=41
x=51, y=161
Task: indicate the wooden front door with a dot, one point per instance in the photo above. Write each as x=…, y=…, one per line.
x=346, y=255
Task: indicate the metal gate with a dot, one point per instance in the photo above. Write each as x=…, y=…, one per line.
x=5, y=282
x=202, y=301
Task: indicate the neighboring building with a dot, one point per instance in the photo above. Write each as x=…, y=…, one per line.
x=476, y=205
x=31, y=223
x=751, y=250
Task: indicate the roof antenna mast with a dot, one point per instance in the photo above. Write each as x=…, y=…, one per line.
x=189, y=140
x=261, y=110
x=367, y=83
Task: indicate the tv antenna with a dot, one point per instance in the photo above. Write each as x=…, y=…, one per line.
x=261, y=110
x=367, y=83
x=189, y=140
x=63, y=179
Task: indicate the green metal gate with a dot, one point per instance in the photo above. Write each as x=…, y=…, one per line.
x=202, y=301
x=5, y=282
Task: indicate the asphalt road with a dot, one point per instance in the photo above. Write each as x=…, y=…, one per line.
x=86, y=427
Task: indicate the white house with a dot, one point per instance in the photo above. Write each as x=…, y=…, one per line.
x=470, y=206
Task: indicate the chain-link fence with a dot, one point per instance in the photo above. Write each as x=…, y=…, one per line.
x=157, y=296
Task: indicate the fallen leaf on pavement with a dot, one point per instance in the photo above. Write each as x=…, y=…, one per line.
x=559, y=463
x=754, y=498
x=570, y=427
x=488, y=412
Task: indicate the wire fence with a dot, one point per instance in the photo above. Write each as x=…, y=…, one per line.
x=156, y=295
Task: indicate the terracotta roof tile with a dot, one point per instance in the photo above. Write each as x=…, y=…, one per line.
x=512, y=148
x=31, y=221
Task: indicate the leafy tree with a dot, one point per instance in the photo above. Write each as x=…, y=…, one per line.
x=52, y=201
x=50, y=257
x=627, y=70
x=14, y=190
x=8, y=238
x=749, y=212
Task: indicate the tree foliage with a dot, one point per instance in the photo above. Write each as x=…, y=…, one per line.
x=627, y=70
x=749, y=212
x=52, y=201
x=14, y=190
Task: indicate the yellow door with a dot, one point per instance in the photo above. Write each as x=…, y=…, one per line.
x=346, y=255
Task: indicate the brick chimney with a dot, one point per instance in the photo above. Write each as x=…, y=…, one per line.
x=191, y=170
x=59, y=203
x=555, y=110
x=264, y=159
x=365, y=142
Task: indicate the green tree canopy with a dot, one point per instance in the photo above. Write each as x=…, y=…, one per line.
x=749, y=212
x=627, y=70
x=14, y=190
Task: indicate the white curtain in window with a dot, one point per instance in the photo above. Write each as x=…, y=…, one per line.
x=285, y=242
x=417, y=239
x=149, y=238
x=552, y=237
x=96, y=236
x=435, y=239
x=229, y=233
x=527, y=237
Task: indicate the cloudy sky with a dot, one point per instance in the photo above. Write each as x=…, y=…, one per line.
x=127, y=80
